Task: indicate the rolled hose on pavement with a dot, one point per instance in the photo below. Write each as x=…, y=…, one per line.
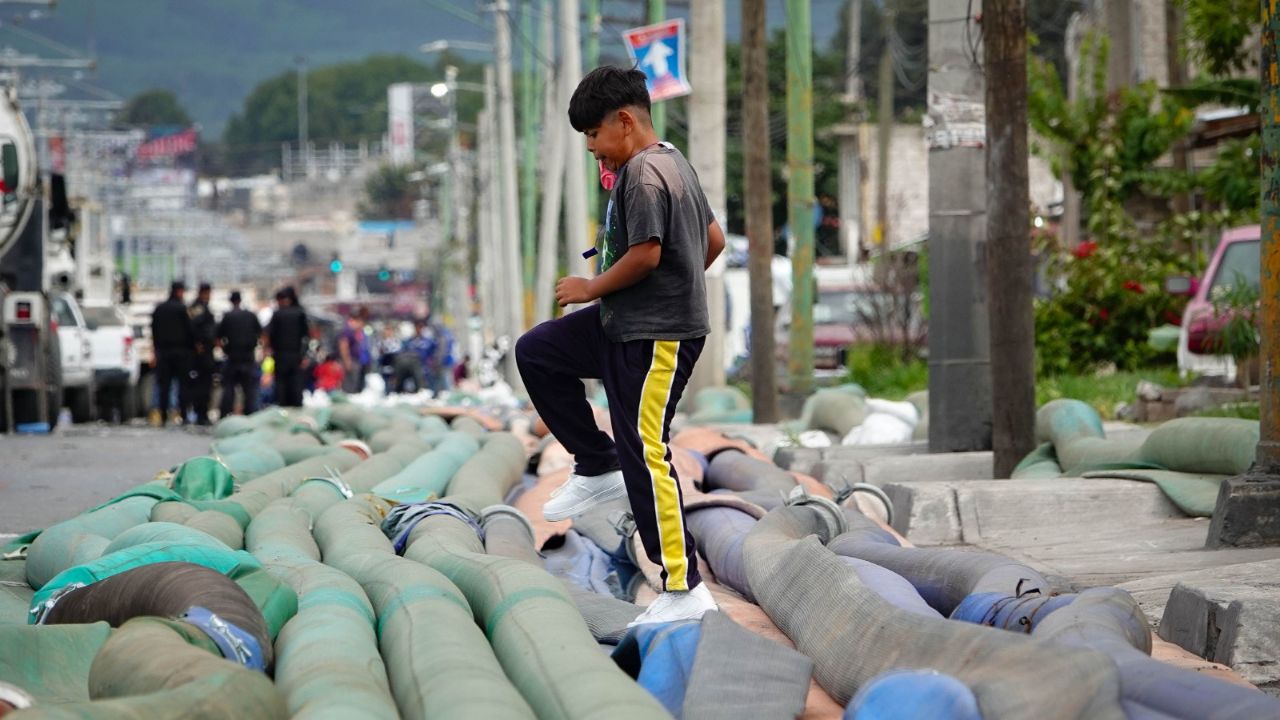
x=1109, y=621
x=535, y=629
x=436, y=655
x=832, y=616
x=427, y=477
x=945, y=577
x=154, y=669
x=508, y=533
x=167, y=590
x=735, y=470
x=328, y=658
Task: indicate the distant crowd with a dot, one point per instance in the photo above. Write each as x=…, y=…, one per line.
x=275, y=359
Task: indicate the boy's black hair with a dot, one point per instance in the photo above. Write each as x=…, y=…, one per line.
x=604, y=90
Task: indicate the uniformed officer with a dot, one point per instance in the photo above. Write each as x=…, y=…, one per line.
x=174, y=343
x=238, y=335
x=205, y=328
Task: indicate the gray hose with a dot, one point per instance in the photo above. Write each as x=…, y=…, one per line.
x=853, y=635
x=945, y=577
x=735, y=470
x=1108, y=620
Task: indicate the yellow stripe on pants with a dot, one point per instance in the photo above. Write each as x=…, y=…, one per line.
x=666, y=495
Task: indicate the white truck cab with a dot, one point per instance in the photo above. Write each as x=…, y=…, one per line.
x=76, y=347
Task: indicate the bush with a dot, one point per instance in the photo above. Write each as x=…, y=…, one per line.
x=882, y=372
x=1111, y=295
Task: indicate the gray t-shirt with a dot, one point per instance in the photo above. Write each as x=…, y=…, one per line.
x=657, y=195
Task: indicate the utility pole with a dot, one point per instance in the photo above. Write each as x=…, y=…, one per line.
x=759, y=210
x=554, y=136
x=1009, y=268
x=706, y=155
x=800, y=194
x=1248, y=508
x=959, y=343
x=593, y=59
x=487, y=286
x=850, y=155
x=509, y=235
x=657, y=13
x=303, y=131
x=529, y=161
x=885, y=111
x=575, y=187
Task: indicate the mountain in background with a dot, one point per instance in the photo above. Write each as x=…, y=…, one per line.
x=211, y=53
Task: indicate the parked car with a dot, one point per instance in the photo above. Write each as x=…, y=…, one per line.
x=116, y=367
x=1236, y=259
x=76, y=350
x=849, y=315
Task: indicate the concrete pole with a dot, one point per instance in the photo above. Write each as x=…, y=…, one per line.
x=800, y=194
x=850, y=159
x=487, y=286
x=575, y=186
x=592, y=10
x=528, y=161
x=885, y=137
x=303, y=120
x=1248, y=507
x=658, y=13
x=1013, y=327
x=959, y=343
x=554, y=137
x=759, y=210
x=507, y=172
x=706, y=155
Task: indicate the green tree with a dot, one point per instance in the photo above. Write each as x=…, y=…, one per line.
x=151, y=108
x=347, y=103
x=388, y=194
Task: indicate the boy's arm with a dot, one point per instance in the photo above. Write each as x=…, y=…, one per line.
x=715, y=243
x=635, y=265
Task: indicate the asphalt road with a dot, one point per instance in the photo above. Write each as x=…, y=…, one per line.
x=48, y=478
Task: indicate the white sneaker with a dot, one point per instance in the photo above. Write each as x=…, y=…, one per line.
x=580, y=493
x=673, y=606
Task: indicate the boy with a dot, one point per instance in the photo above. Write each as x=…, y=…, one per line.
x=641, y=341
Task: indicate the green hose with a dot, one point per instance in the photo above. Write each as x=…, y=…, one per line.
x=436, y=655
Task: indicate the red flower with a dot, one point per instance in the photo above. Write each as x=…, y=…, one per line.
x=1173, y=317
x=1103, y=313
x=1085, y=249
x=1133, y=285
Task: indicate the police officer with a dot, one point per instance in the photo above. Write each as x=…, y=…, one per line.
x=205, y=328
x=287, y=336
x=174, y=342
x=238, y=335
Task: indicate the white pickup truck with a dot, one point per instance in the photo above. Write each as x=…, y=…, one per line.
x=76, y=349
x=115, y=361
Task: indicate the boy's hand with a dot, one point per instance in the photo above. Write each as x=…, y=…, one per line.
x=573, y=290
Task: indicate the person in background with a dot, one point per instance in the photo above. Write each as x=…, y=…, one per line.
x=206, y=335
x=329, y=374
x=425, y=346
x=353, y=351
x=174, y=342
x=238, y=335
x=287, y=336
x=461, y=371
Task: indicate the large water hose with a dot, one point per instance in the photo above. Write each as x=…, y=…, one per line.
x=1109, y=621
x=536, y=632
x=153, y=669
x=438, y=657
x=170, y=590
x=821, y=605
x=944, y=577
x=328, y=653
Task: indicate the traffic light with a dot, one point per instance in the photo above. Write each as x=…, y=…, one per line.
x=384, y=274
x=335, y=265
